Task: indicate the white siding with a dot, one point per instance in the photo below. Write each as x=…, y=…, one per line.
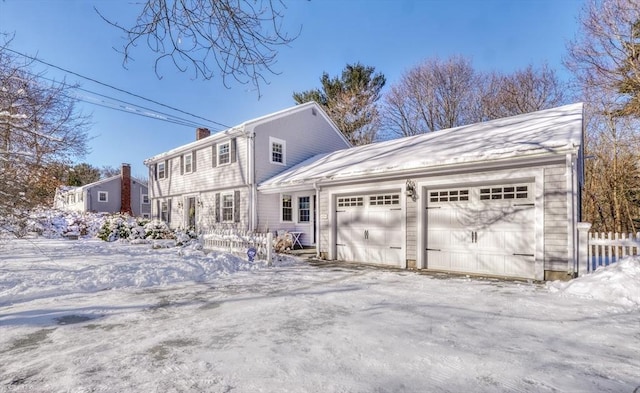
x=556, y=198
x=269, y=215
x=305, y=135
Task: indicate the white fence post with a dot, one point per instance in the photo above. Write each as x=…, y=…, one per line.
x=583, y=248
x=269, y=247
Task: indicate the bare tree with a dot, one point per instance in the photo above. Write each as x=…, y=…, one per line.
x=235, y=38
x=39, y=128
x=440, y=94
x=606, y=54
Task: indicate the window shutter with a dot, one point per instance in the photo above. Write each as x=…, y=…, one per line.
x=155, y=171
x=217, y=207
x=169, y=212
x=193, y=161
x=157, y=215
x=236, y=206
x=182, y=164
x=166, y=169
x=232, y=149
x=214, y=152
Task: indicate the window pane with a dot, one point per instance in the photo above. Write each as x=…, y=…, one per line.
x=304, y=211
x=227, y=207
x=276, y=152
x=287, y=208
x=224, y=154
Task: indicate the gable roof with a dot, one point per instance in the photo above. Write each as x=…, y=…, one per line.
x=239, y=129
x=542, y=132
x=66, y=189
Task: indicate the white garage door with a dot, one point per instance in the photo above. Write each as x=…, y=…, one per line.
x=369, y=229
x=485, y=230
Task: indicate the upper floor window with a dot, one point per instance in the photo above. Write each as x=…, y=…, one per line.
x=162, y=170
x=277, y=151
x=224, y=153
x=188, y=163
x=103, y=196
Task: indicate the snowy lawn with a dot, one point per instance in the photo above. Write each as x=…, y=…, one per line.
x=85, y=316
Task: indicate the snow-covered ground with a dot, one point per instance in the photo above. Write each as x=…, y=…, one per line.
x=92, y=316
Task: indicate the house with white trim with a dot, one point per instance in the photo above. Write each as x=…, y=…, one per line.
x=211, y=183
x=498, y=198
x=116, y=194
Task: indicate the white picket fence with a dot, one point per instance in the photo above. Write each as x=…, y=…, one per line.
x=607, y=248
x=239, y=243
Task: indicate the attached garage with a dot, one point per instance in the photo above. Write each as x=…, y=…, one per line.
x=487, y=230
x=498, y=198
x=369, y=228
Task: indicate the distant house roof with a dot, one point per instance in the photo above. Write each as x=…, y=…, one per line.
x=235, y=130
x=542, y=132
x=65, y=189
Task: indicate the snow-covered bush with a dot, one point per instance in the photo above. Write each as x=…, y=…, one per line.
x=116, y=226
x=157, y=229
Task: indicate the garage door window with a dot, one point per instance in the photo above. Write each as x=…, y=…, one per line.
x=350, y=201
x=449, y=196
x=507, y=192
x=380, y=200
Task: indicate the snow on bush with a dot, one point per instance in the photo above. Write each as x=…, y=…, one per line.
x=617, y=283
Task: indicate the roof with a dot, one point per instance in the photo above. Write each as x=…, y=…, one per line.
x=542, y=132
x=241, y=127
x=65, y=189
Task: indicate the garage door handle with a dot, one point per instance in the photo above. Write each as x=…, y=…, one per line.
x=525, y=255
x=433, y=249
x=396, y=248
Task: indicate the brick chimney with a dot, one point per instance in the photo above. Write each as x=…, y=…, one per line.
x=202, y=133
x=125, y=189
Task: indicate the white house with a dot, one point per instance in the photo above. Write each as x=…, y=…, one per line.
x=212, y=182
x=119, y=193
x=495, y=198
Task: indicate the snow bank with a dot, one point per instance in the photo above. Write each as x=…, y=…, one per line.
x=618, y=283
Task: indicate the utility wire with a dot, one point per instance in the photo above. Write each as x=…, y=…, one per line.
x=113, y=87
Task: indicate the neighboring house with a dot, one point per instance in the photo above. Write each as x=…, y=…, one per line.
x=120, y=193
x=495, y=198
x=212, y=183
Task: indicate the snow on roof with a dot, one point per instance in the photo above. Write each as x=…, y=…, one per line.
x=547, y=131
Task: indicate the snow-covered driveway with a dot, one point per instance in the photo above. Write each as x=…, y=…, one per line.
x=90, y=316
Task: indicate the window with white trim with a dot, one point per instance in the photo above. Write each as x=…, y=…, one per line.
x=277, y=151
x=350, y=201
x=162, y=170
x=164, y=211
x=380, y=200
x=504, y=192
x=304, y=209
x=224, y=153
x=227, y=208
x=103, y=196
x=188, y=163
x=145, y=199
x=287, y=208
x=146, y=215
x=449, y=196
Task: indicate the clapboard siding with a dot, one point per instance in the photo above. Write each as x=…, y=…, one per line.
x=325, y=224
x=412, y=229
x=555, y=218
x=305, y=134
x=206, y=177
x=112, y=187
x=269, y=215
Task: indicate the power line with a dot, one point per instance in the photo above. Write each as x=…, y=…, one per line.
x=113, y=87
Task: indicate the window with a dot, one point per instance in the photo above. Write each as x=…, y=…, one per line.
x=188, y=163
x=224, y=153
x=103, y=196
x=380, y=200
x=287, y=208
x=304, y=209
x=277, y=147
x=164, y=212
x=350, y=201
x=145, y=199
x=227, y=208
x=162, y=170
x=146, y=215
x=449, y=196
x=508, y=192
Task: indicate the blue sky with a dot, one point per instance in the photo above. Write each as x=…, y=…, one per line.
x=392, y=36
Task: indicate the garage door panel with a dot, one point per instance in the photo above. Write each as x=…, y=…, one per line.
x=492, y=232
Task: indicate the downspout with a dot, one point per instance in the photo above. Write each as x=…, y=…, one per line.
x=317, y=219
x=250, y=180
